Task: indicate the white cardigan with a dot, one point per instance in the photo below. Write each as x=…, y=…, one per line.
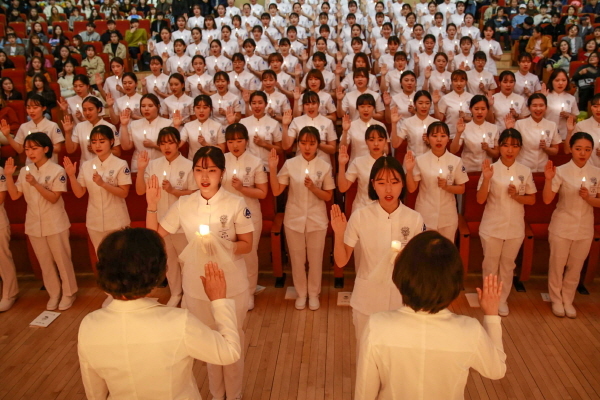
x=140, y=349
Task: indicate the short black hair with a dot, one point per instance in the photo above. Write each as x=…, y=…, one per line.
x=42, y=140
x=215, y=154
x=581, y=135
x=511, y=133
x=428, y=272
x=103, y=131
x=131, y=262
x=236, y=131
x=390, y=164
x=168, y=132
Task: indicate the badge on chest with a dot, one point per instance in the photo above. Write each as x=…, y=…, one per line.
x=223, y=232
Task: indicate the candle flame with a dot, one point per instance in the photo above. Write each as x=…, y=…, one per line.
x=165, y=174
x=94, y=166
x=441, y=172
x=204, y=230
x=512, y=178
x=27, y=168
x=235, y=171
x=583, y=180
x=306, y=171
x=396, y=245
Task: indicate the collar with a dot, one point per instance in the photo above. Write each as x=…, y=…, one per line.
x=396, y=212
x=213, y=200
x=408, y=310
x=107, y=161
x=133, y=305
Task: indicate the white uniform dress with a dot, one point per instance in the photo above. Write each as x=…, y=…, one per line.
x=494, y=48
x=502, y=228
x=592, y=127
x=412, y=130
x=47, y=227
x=267, y=129
x=180, y=175
x=472, y=154
x=502, y=105
x=251, y=171
x=436, y=205
x=191, y=84
x=306, y=221
x=110, y=86
x=571, y=229
x=450, y=105
x=197, y=49
x=222, y=62
x=227, y=216
x=531, y=155
x=159, y=343
x=183, y=103
x=349, y=102
x=533, y=83
x=557, y=103
x=323, y=125
x=374, y=229
x=403, y=101
x=130, y=102
x=106, y=212
x=229, y=100
x=278, y=102
x=46, y=126
x=184, y=62
x=326, y=103
x=212, y=131
x=141, y=129
x=392, y=79
x=161, y=82
x=81, y=136
x=8, y=273
x=356, y=137
x=360, y=169
x=474, y=78
x=74, y=105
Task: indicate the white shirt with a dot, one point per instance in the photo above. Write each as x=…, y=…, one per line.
x=323, y=125
x=105, y=211
x=392, y=78
x=81, y=136
x=44, y=218
x=436, y=205
x=197, y=48
x=439, y=79
x=191, y=84
x=360, y=169
x=256, y=63
x=286, y=81
x=502, y=106
x=265, y=128
x=212, y=131
x=230, y=47
x=161, y=47
x=326, y=103
x=403, y=101
x=227, y=216
x=179, y=174
x=278, y=102
x=185, y=35
x=460, y=58
x=503, y=217
x=356, y=137
x=531, y=155
x=193, y=22
x=305, y=212
x=174, y=62
x=490, y=47
x=110, y=85
x=46, y=126
x=374, y=229
x=573, y=218
x=247, y=80
x=222, y=62
x=592, y=127
x=183, y=103
x=161, y=82
x=141, y=129
x=425, y=60
x=251, y=171
x=222, y=21
x=557, y=103
x=400, y=356
x=472, y=153
x=349, y=85
x=328, y=77
x=349, y=102
x=474, y=78
x=159, y=345
x=131, y=102
x=229, y=100
x=412, y=130
x=533, y=83
x=451, y=104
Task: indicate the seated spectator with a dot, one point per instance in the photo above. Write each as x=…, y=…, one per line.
x=501, y=25
x=135, y=37
x=571, y=17
x=490, y=11
x=15, y=16
x=133, y=14
x=158, y=24
x=35, y=43
x=93, y=63
x=35, y=66
x=115, y=48
x=561, y=59
x=66, y=80
x=5, y=62
x=531, y=10
x=539, y=47
x=41, y=86
x=585, y=79
x=33, y=17
x=86, y=8
x=115, y=14
x=57, y=37
x=75, y=16
x=64, y=56
x=591, y=7
x=38, y=29
x=111, y=27
x=544, y=17
x=522, y=33
x=49, y=6
x=77, y=46
x=11, y=48
x=555, y=29
x=590, y=47
x=520, y=17
x=8, y=91
x=68, y=8
x=95, y=16
x=585, y=26
x=575, y=40
x=90, y=34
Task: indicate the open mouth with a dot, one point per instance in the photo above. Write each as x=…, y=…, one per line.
x=205, y=185
x=389, y=198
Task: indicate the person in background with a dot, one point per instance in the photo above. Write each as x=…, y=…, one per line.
x=135, y=37
x=90, y=34
x=111, y=27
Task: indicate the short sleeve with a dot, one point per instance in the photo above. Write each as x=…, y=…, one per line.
x=556, y=139
x=328, y=181
x=351, y=237
x=260, y=174
x=379, y=106
x=556, y=181
x=237, y=106
x=417, y=171
x=221, y=135
x=243, y=218
x=345, y=104
x=442, y=106
x=283, y=177
x=402, y=129
x=184, y=135
x=124, y=176
x=574, y=107
x=480, y=182
x=285, y=105
x=59, y=184
x=171, y=221
x=20, y=136
x=537, y=86
x=530, y=184
x=81, y=177
x=352, y=172
x=330, y=134
x=293, y=129
x=277, y=133
x=330, y=106
x=461, y=174
x=56, y=135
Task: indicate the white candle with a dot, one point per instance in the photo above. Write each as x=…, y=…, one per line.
x=583, y=182
x=256, y=130
x=430, y=63
x=443, y=81
x=204, y=230
x=424, y=128
x=466, y=63
x=178, y=63
x=460, y=106
x=164, y=174
x=512, y=103
x=219, y=103
x=512, y=178
x=441, y=172
x=28, y=133
x=94, y=167
x=88, y=139
x=481, y=79
x=27, y=168
x=144, y=134
x=200, y=130
x=543, y=135
x=562, y=107
x=525, y=82
x=484, y=137
x=77, y=107
x=236, y=77
x=127, y=105
x=155, y=82
x=306, y=171
x=396, y=245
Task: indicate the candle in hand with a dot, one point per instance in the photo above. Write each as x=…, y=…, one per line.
x=144, y=134
x=512, y=178
x=204, y=230
x=164, y=174
x=27, y=168
x=94, y=167
x=583, y=182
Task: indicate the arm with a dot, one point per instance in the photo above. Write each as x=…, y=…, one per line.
x=152, y=198
x=343, y=183
x=276, y=187
x=258, y=192
x=549, y=174
x=409, y=165
x=341, y=251
x=11, y=187
x=126, y=139
x=243, y=245
x=70, y=170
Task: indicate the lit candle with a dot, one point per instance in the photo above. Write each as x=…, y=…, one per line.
x=306, y=172
x=144, y=134
x=460, y=106
x=234, y=172
x=178, y=63
x=481, y=79
x=77, y=107
x=94, y=167
x=199, y=129
x=269, y=102
x=526, y=82
x=512, y=178
x=28, y=133
x=466, y=63
x=256, y=130
x=219, y=103
x=155, y=82
x=484, y=137
x=164, y=174
x=396, y=245
x=543, y=135
x=127, y=105
x=430, y=63
x=424, y=128
x=27, y=168
x=512, y=103
x=562, y=107
x=204, y=230
x=583, y=182
x=88, y=139
x=441, y=172
x=443, y=81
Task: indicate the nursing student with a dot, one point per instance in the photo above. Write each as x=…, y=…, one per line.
x=311, y=187
x=130, y=99
x=176, y=180
x=203, y=131
x=374, y=227
x=571, y=228
x=505, y=187
x=506, y=102
x=46, y=222
x=246, y=176
x=478, y=138
x=229, y=218
x=79, y=134
x=591, y=126
x=440, y=175
x=561, y=104
x=8, y=273
x=454, y=105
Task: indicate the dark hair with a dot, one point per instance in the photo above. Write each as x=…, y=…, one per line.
x=203, y=98
x=258, y=93
x=594, y=102
x=310, y=97
x=360, y=72
x=428, y=272
x=365, y=99
x=157, y=58
x=180, y=41
x=82, y=78
x=524, y=56
x=364, y=57
x=480, y=55
x=38, y=100
x=506, y=73
x=390, y=164
x=118, y=60
x=581, y=135
x=238, y=57
x=42, y=140
x=437, y=126
x=422, y=93
x=131, y=262
x=537, y=96
x=459, y=73
x=320, y=56
x=553, y=76
x=379, y=131
x=269, y=72
x=310, y=131
x=236, y=131
x=130, y=75
x=510, y=134
x=221, y=74
x=215, y=154
x=152, y=97
x=175, y=75
x=405, y=74
x=168, y=132
x=477, y=98
x=103, y=130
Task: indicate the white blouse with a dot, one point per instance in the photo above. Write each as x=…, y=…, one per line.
x=251, y=171
x=472, y=138
x=412, y=130
x=81, y=136
x=557, y=103
x=531, y=155
x=212, y=131
x=140, y=130
x=323, y=125
x=592, y=127
x=360, y=169
x=450, y=105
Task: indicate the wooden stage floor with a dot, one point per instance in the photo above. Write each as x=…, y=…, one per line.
x=309, y=355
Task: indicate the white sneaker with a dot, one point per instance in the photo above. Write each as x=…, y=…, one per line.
x=503, y=309
x=6, y=304
x=259, y=289
x=106, y=302
x=313, y=303
x=558, y=310
x=66, y=302
x=250, y=303
x=136, y=68
x=300, y=303
x=52, y=304
x=174, y=301
x=570, y=311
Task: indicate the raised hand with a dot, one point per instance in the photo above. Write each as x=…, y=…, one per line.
x=10, y=167
x=395, y=115
x=346, y=122
x=338, y=220
x=489, y=296
x=153, y=190
x=62, y=103
x=339, y=92
x=409, y=161
x=273, y=159
x=230, y=115
x=343, y=156
x=509, y=121
x=387, y=98
x=67, y=123
x=5, y=128
x=487, y=169
x=460, y=126
x=549, y=170
x=70, y=168
x=143, y=160
x=286, y=119
x=98, y=79
x=297, y=93
x=177, y=119
x=570, y=123
x=125, y=116
x=214, y=282
x=110, y=101
x=435, y=96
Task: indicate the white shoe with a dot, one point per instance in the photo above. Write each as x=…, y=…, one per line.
x=503, y=309
x=570, y=311
x=136, y=68
x=174, y=301
x=259, y=289
x=106, y=302
x=66, y=302
x=52, y=304
x=313, y=303
x=300, y=303
x=250, y=303
x=6, y=304
x=558, y=310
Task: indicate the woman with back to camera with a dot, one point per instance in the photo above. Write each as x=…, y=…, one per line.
x=423, y=350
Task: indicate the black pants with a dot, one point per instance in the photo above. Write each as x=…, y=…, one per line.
x=504, y=36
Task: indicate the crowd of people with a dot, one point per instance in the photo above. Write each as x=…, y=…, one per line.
x=311, y=97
